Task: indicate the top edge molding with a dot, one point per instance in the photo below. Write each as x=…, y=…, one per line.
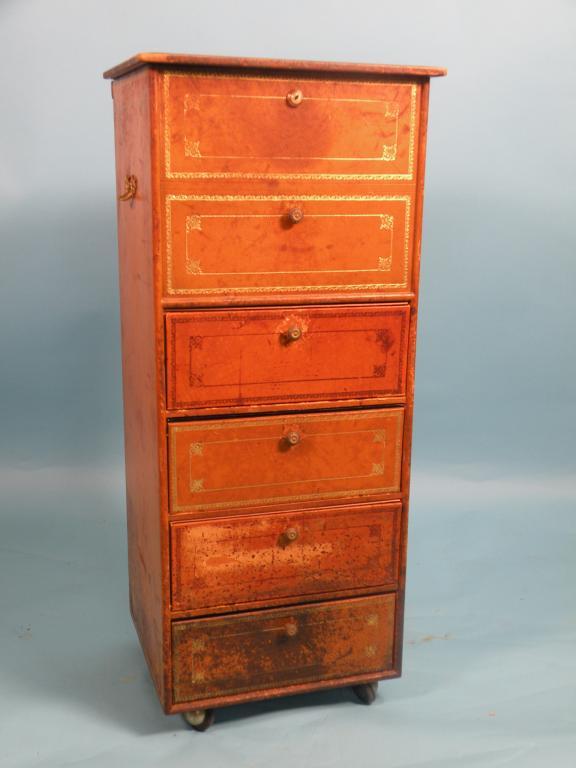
x=233, y=62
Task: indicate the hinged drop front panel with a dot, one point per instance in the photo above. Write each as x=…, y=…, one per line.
x=246, y=126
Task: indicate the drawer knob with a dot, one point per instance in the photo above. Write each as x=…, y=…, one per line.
x=293, y=334
x=295, y=215
x=291, y=534
x=293, y=438
x=291, y=629
x=294, y=98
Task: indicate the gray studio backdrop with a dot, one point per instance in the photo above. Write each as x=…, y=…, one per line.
x=489, y=660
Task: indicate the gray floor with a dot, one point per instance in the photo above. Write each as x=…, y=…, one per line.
x=490, y=664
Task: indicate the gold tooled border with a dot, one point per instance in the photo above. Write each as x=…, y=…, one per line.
x=202, y=216
x=171, y=290
x=170, y=174
x=397, y=413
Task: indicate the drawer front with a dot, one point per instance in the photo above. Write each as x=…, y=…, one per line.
x=275, y=648
x=263, y=557
x=241, y=126
x=278, y=356
x=241, y=247
x=232, y=463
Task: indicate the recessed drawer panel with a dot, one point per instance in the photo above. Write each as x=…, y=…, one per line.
x=232, y=126
x=278, y=356
x=253, y=247
x=233, y=463
x=263, y=557
x=282, y=647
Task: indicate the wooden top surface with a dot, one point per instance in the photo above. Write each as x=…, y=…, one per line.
x=233, y=62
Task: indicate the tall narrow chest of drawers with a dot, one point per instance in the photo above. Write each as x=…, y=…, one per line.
x=269, y=218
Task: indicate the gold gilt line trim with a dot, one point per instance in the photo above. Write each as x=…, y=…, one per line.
x=264, y=198
x=275, y=438
x=293, y=176
x=387, y=223
x=413, y=94
x=193, y=267
x=167, y=120
x=388, y=151
x=193, y=223
x=391, y=107
x=196, y=485
x=388, y=220
x=169, y=246
x=192, y=149
x=391, y=110
x=287, y=288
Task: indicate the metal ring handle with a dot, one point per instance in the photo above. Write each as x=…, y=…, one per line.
x=130, y=188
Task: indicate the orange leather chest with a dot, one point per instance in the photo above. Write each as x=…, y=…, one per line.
x=269, y=222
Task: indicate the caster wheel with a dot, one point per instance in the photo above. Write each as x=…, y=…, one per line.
x=366, y=692
x=199, y=719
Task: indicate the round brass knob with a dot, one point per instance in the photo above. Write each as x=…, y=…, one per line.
x=293, y=438
x=291, y=534
x=291, y=629
x=294, y=98
x=295, y=215
x=293, y=334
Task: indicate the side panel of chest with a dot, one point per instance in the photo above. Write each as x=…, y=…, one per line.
x=142, y=374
